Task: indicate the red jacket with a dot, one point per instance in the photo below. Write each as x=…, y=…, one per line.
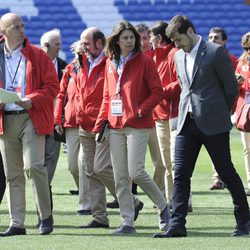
x=234, y=60
x=66, y=99
x=90, y=93
x=244, y=70
x=140, y=91
x=164, y=60
x=42, y=87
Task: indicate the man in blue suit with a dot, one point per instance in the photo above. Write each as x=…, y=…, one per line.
x=208, y=91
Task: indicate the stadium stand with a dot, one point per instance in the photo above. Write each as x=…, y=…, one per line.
x=72, y=16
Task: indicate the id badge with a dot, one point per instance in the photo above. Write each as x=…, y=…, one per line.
x=247, y=97
x=116, y=107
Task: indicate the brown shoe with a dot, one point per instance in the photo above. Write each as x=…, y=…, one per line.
x=217, y=186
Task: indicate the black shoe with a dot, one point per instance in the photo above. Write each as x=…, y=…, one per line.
x=113, y=204
x=95, y=224
x=11, y=231
x=134, y=188
x=123, y=229
x=74, y=192
x=138, y=208
x=241, y=230
x=83, y=212
x=172, y=232
x=46, y=226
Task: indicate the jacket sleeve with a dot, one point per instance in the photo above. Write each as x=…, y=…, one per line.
x=172, y=90
x=103, y=113
x=225, y=71
x=43, y=70
x=155, y=88
x=60, y=99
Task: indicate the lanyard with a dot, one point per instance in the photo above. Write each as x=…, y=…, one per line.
x=123, y=62
x=10, y=73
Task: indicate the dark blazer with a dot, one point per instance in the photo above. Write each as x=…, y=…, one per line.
x=212, y=89
x=61, y=64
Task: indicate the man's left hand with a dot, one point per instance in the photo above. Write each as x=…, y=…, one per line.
x=25, y=103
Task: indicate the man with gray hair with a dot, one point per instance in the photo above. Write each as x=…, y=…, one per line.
x=51, y=45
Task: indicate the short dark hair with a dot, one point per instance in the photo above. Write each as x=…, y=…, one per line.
x=180, y=24
x=112, y=48
x=159, y=28
x=142, y=28
x=99, y=35
x=219, y=30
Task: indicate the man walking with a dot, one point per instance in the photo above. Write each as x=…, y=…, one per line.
x=208, y=91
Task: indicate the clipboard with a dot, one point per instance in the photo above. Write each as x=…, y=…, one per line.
x=8, y=97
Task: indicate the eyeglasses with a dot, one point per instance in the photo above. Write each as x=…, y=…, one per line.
x=246, y=48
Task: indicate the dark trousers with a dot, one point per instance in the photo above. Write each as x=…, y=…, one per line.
x=187, y=148
x=2, y=179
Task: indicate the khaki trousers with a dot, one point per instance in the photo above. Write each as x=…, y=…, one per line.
x=24, y=150
x=159, y=167
x=245, y=138
x=99, y=172
x=52, y=152
x=163, y=135
x=77, y=167
x=128, y=149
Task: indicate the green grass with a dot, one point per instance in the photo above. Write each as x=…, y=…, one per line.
x=209, y=226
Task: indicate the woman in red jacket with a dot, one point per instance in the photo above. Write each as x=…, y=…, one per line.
x=65, y=116
x=132, y=88
x=243, y=75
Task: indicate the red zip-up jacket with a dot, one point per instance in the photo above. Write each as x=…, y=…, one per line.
x=66, y=99
x=90, y=93
x=42, y=87
x=141, y=91
x=164, y=60
x=244, y=70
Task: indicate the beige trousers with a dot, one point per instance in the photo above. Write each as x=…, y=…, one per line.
x=99, y=172
x=159, y=167
x=245, y=138
x=77, y=167
x=128, y=149
x=24, y=150
x=163, y=135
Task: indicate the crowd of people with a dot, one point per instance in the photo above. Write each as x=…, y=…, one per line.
x=162, y=86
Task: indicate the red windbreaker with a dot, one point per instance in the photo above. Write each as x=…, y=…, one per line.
x=140, y=90
x=42, y=87
x=90, y=93
x=66, y=99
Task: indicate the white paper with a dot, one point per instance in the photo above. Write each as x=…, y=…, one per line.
x=8, y=97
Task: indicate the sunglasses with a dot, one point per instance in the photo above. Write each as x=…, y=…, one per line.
x=246, y=48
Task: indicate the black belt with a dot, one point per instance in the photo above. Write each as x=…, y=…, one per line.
x=15, y=112
x=190, y=115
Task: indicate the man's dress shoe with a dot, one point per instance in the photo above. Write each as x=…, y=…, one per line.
x=138, y=208
x=172, y=232
x=113, y=204
x=95, y=224
x=46, y=226
x=241, y=230
x=11, y=231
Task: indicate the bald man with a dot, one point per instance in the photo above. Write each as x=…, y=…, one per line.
x=29, y=73
x=96, y=155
